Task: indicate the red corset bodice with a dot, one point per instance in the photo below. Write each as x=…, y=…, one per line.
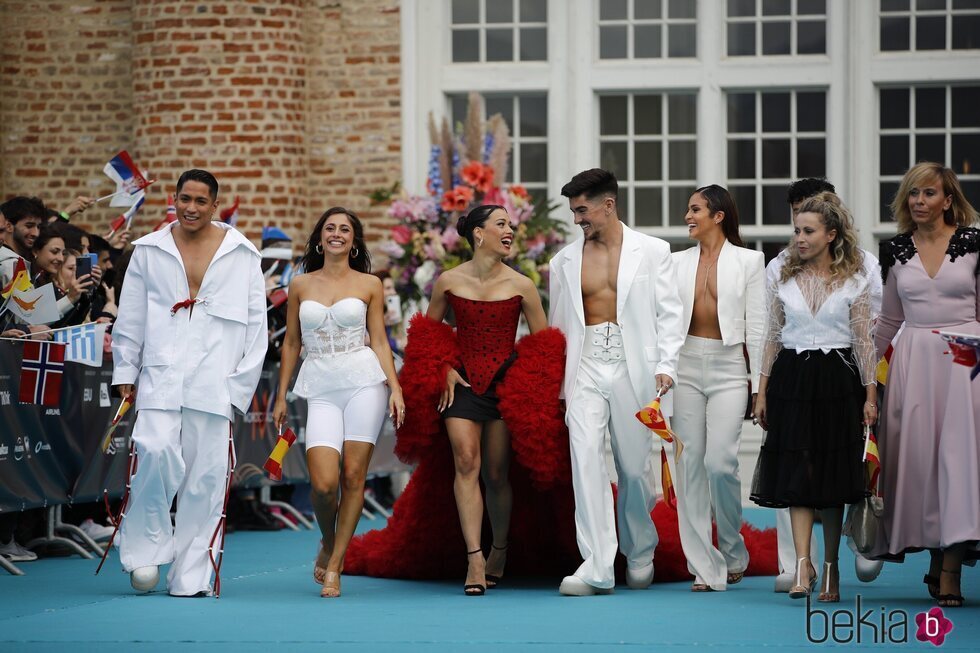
x=486, y=332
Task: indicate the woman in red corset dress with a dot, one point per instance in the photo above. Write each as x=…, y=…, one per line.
x=487, y=298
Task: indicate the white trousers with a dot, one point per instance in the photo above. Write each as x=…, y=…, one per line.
x=709, y=408
x=603, y=397
x=182, y=453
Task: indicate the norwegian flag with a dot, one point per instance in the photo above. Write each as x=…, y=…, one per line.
x=230, y=215
x=40, y=376
x=171, y=214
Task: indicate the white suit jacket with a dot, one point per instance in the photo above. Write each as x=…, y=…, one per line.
x=741, y=297
x=216, y=364
x=648, y=310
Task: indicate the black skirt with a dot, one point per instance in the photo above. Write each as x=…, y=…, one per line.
x=476, y=407
x=811, y=455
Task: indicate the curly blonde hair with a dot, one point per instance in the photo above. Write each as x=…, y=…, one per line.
x=846, y=257
x=959, y=213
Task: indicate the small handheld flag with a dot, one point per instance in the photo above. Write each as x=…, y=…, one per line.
x=171, y=214
x=125, y=221
x=230, y=215
x=666, y=482
x=127, y=177
x=274, y=464
x=965, y=349
x=20, y=280
x=41, y=372
x=120, y=413
x=871, y=458
x=653, y=418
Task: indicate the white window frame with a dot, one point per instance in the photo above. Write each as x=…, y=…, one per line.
x=482, y=26
x=664, y=22
x=759, y=19
x=949, y=13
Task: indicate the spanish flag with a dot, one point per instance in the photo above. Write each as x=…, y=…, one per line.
x=871, y=458
x=20, y=280
x=881, y=372
x=120, y=413
x=274, y=464
x=666, y=482
x=653, y=418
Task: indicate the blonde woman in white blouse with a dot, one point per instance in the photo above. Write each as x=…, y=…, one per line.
x=722, y=287
x=817, y=387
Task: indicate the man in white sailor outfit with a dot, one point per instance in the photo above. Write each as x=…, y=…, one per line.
x=614, y=296
x=192, y=337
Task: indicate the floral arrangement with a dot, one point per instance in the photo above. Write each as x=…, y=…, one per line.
x=464, y=171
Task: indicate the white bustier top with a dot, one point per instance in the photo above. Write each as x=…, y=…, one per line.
x=336, y=356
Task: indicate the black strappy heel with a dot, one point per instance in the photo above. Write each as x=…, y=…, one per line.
x=950, y=600
x=492, y=580
x=474, y=589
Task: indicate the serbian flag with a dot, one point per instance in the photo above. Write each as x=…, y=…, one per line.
x=171, y=214
x=127, y=177
x=230, y=215
x=871, y=458
x=19, y=281
x=274, y=464
x=41, y=370
x=666, y=482
x=125, y=221
x=965, y=349
x=653, y=418
x=120, y=413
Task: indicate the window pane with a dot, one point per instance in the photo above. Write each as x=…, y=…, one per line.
x=894, y=34
x=647, y=9
x=623, y=203
x=612, y=114
x=930, y=33
x=680, y=8
x=894, y=5
x=966, y=154
x=885, y=196
x=502, y=105
x=677, y=199
x=649, y=207
x=458, y=109
x=930, y=107
x=811, y=37
x=775, y=112
x=930, y=147
x=501, y=11
x=682, y=115
x=811, y=112
x=771, y=250
x=500, y=44
x=808, y=7
x=534, y=116
x=534, y=11
x=926, y=5
x=775, y=210
x=894, y=154
x=972, y=191
x=612, y=10
x=775, y=38
x=811, y=157
x=646, y=41
x=966, y=106
x=466, y=11
x=741, y=7
x=648, y=163
x=682, y=159
x=466, y=45
x=775, y=157
x=894, y=110
x=534, y=44
x=612, y=157
x=741, y=112
x=741, y=39
x=775, y=7
x=741, y=159
x=966, y=32
x=966, y=4
x=682, y=41
x=744, y=197
x=534, y=162
x=612, y=42
x=646, y=114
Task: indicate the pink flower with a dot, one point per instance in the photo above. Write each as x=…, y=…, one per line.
x=450, y=238
x=401, y=234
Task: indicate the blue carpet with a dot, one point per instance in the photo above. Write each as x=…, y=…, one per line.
x=270, y=602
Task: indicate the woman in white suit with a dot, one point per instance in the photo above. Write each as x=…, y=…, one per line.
x=722, y=287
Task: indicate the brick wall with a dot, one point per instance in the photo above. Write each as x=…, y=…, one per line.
x=293, y=104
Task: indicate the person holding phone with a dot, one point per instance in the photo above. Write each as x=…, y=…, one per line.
x=70, y=290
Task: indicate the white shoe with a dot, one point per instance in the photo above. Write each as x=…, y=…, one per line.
x=867, y=570
x=575, y=586
x=97, y=532
x=784, y=583
x=14, y=552
x=144, y=579
x=640, y=578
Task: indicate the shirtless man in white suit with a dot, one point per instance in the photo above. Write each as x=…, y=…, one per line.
x=614, y=295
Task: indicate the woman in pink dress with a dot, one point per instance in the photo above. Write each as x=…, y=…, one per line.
x=929, y=441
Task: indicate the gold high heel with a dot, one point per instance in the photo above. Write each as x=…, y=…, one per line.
x=799, y=590
x=830, y=570
x=331, y=585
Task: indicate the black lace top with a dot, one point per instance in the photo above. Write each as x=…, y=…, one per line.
x=901, y=248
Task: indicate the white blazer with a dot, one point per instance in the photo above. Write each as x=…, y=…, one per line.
x=210, y=364
x=741, y=297
x=648, y=311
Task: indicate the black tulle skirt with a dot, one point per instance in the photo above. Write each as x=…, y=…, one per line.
x=811, y=455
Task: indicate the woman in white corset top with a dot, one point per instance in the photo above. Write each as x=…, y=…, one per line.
x=331, y=308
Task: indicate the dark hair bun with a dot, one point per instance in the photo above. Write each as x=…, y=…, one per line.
x=461, y=226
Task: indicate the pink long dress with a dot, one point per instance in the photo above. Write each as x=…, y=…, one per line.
x=930, y=423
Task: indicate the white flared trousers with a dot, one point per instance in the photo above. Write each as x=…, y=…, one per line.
x=182, y=453
x=709, y=407
x=604, y=397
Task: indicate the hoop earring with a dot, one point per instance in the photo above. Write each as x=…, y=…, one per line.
x=318, y=248
x=354, y=253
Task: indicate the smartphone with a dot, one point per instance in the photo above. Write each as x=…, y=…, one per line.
x=83, y=266
x=95, y=259
x=393, y=308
